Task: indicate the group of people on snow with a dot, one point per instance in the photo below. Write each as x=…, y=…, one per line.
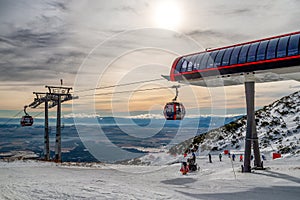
x=191, y=165
x=221, y=156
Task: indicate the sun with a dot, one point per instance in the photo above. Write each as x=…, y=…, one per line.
x=168, y=14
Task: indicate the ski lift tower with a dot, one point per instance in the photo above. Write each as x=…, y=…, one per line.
x=57, y=95
x=54, y=97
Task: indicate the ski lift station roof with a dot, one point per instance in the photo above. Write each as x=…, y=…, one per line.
x=271, y=59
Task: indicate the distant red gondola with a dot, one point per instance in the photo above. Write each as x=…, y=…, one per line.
x=174, y=110
x=26, y=120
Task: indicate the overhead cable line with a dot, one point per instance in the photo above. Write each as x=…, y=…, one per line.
x=38, y=114
x=119, y=85
x=106, y=87
x=127, y=91
x=12, y=117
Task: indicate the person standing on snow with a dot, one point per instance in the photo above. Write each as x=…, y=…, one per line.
x=209, y=158
x=233, y=157
x=192, y=159
x=220, y=157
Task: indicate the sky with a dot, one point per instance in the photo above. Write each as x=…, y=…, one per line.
x=92, y=44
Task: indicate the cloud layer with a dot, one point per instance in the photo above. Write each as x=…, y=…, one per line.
x=42, y=42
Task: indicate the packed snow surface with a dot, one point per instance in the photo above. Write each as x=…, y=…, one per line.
x=217, y=180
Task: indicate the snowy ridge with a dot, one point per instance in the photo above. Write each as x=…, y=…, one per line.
x=80, y=115
x=147, y=116
x=278, y=130
x=18, y=155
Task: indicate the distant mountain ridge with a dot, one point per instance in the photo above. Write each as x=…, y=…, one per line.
x=278, y=130
x=17, y=138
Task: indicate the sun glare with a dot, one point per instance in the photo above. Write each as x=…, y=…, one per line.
x=167, y=14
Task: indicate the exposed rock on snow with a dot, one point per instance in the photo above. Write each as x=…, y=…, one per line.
x=18, y=155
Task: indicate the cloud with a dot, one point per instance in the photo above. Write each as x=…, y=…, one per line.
x=296, y=86
x=7, y=41
x=59, y=5
x=29, y=43
x=41, y=42
x=127, y=8
x=147, y=116
x=30, y=39
x=241, y=11
x=34, y=54
x=80, y=115
x=213, y=38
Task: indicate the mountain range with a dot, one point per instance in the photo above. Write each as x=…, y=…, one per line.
x=15, y=138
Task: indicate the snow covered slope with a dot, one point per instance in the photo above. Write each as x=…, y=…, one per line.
x=278, y=129
x=218, y=180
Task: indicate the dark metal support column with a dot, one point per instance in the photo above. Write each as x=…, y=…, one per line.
x=46, y=135
x=249, y=90
x=251, y=134
x=58, y=131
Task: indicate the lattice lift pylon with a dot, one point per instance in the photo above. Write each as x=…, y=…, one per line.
x=54, y=97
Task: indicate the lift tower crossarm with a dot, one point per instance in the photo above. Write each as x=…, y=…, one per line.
x=58, y=89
